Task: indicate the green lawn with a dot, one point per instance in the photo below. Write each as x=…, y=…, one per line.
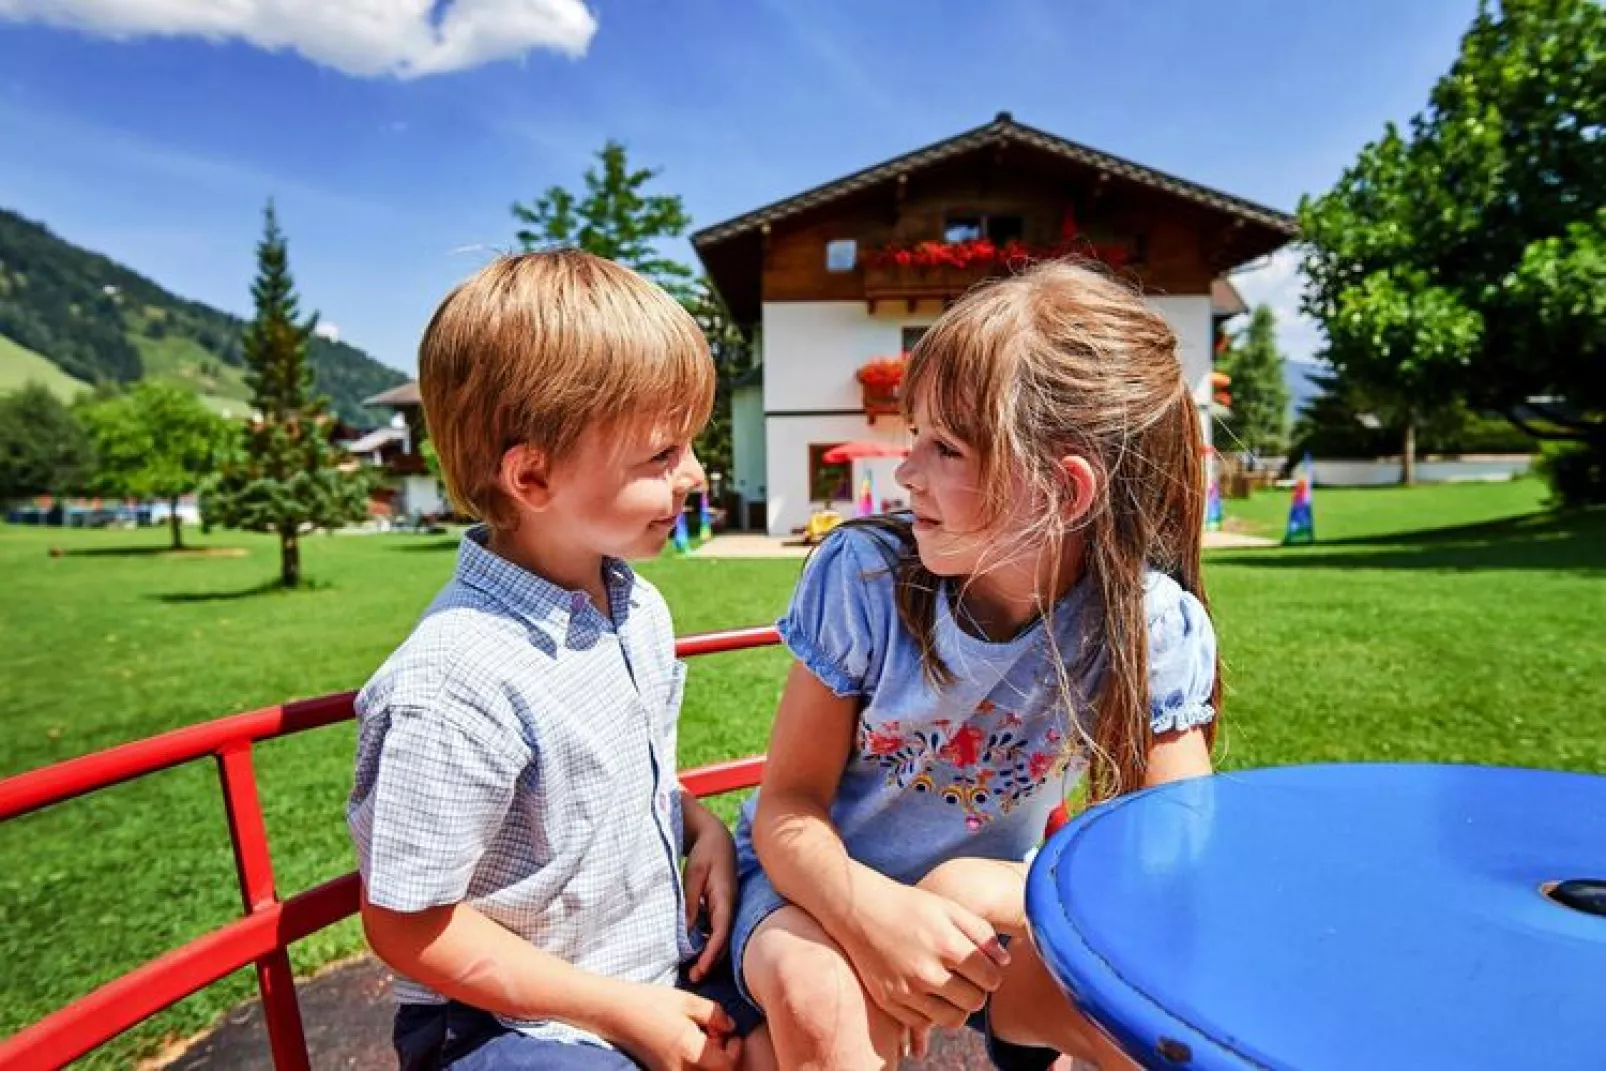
x=1347, y=513
x=1454, y=623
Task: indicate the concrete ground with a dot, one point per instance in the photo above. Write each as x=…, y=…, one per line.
x=346, y=1013
x=758, y=545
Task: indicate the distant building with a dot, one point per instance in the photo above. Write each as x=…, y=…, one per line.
x=412, y=490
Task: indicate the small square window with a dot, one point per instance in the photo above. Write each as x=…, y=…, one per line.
x=841, y=255
x=962, y=229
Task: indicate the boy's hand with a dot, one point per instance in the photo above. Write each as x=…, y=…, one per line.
x=670, y=1030
x=925, y=960
x=710, y=882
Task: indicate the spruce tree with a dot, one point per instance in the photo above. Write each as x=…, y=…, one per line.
x=285, y=474
x=1259, y=419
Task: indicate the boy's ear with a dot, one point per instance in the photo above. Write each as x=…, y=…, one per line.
x=526, y=477
x=1082, y=483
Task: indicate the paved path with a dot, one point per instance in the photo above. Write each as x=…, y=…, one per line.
x=346, y=1013
x=755, y=545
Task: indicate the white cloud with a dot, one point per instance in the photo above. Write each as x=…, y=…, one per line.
x=1279, y=283
x=366, y=38
x=327, y=330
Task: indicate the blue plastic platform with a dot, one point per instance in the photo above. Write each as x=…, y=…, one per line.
x=1335, y=917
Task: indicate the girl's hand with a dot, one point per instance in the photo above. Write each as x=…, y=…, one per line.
x=923, y=959
x=710, y=883
x=670, y=1030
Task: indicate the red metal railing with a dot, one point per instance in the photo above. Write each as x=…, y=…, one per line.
x=263, y=936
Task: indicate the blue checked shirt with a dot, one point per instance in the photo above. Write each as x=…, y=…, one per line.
x=517, y=754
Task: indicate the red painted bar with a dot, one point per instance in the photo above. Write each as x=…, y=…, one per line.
x=40, y=788
x=739, y=639
x=254, y=867
x=269, y=927
x=724, y=777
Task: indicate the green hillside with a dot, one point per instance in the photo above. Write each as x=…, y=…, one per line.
x=20, y=365
x=98, y=321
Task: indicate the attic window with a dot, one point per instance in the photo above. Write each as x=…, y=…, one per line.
x=841, y=255
x=969, y=226
x=963, y=228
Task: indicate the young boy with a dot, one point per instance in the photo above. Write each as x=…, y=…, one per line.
x=516, y=812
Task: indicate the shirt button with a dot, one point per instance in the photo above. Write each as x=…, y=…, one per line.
x=577, y=601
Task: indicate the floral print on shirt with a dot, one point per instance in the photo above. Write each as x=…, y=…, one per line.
x=983, y=766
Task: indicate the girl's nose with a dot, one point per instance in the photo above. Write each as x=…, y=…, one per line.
x=690, y=476
x=906, y=473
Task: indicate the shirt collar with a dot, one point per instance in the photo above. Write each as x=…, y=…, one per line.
x=533, y=598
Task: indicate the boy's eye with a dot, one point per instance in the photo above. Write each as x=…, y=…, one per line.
x=665, y=456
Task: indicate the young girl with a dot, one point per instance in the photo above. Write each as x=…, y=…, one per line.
x=1040, y=614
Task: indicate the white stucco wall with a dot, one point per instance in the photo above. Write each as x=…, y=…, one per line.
x=1189, y=317
x=811, y=352
x=1385, y=472
x=813, y=348
x=420, y=495
x=788, y=464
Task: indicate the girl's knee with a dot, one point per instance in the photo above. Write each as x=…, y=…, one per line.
x=957, y=877
x=991, y=888
x=792, y=965
x=809, y=992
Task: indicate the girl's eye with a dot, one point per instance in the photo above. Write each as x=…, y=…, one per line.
x=944, y=450
x=664, y=456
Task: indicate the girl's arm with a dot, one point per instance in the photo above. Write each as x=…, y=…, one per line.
x=1177, y=755
x=924, y=959
x=792, y=832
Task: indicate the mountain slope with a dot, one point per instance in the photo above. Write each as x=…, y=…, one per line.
x=20, y=366
x=97, y=320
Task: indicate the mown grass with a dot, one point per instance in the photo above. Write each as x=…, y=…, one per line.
x=1446, y=623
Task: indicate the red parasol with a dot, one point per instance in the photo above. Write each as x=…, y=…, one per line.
x=856, y=451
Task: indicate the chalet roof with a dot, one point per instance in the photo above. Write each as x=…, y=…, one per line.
x=400, y=397
x=1225, y=301
x=1001, y=131
x=376, y=439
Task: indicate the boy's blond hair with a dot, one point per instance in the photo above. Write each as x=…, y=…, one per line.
x=537, y=347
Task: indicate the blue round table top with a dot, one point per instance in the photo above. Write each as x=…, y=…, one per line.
x=1335, y=916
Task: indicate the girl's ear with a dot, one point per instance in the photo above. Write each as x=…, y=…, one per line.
x=526, y=478
x=1082, y=481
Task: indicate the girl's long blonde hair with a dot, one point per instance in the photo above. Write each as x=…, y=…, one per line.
x=1063, y=359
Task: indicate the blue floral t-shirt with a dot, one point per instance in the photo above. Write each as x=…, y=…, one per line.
x=976, y=767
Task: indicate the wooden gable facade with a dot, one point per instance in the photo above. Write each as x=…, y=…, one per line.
x=1005, y=182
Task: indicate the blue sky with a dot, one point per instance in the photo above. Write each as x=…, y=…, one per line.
x=394, y=134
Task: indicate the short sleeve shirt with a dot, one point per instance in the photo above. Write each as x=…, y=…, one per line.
x=517, y=754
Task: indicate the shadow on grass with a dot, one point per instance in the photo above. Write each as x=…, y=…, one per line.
x=266, y=588
x=432, y=546
x=167, y=551
x=1572, y=541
